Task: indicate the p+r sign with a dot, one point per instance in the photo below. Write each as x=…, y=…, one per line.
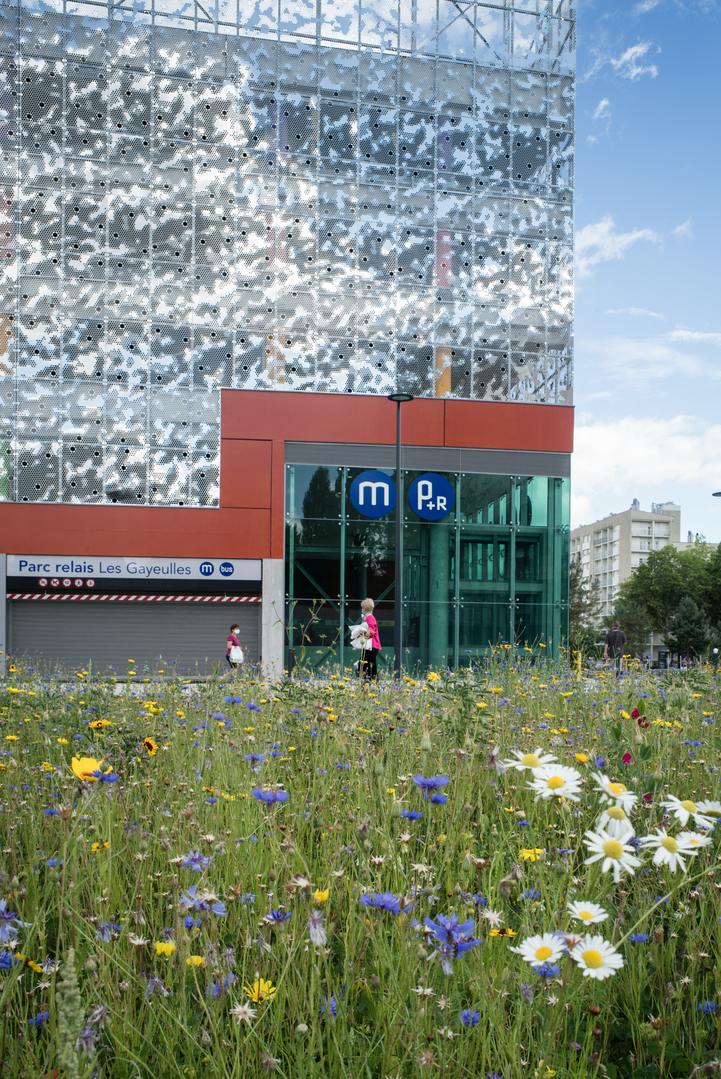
x=373, y=494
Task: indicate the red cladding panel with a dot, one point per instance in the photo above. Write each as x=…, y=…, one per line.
x=141, y=531
x=245, y=473
x=329, y=417
x=487, y=425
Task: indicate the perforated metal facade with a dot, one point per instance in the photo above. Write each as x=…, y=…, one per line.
x=321, y=196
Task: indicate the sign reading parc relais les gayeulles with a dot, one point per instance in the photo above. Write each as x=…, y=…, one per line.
x=430, y=496
x=138, y=569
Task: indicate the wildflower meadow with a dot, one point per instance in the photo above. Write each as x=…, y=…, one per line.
x=506, y=871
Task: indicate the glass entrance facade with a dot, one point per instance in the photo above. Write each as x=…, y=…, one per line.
x=494, y=570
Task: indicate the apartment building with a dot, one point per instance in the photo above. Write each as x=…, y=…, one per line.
x=611, y=548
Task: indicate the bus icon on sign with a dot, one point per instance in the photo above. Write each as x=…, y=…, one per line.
x=431, y=497
x=227, y=569
x=373, y=493
x=207, y=569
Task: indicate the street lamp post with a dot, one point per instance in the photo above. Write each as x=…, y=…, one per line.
x=400, y=399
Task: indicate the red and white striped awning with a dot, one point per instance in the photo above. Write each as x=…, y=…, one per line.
x=100, y=597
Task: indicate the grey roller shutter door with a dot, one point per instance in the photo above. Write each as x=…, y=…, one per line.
x=190, y=637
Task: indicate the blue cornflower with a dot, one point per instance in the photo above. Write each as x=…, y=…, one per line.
x=257, y=758
x=600, y=762
x=455, y=938
x=254, y=707
x=215, y=989
x=548, y=970
x=196, y=861
x=385, y=901
x=479, y=900
x=192, y=923
x=295, y=712
x=109, y=777
x=6, y=960
x=51, y=812
x=247, y=898
x=531, y=893
x=211, y=801
x=52, y=862
x=470, y=1018
x=105, y=931
x=265, y=794
x=430, y=784
x=412, y=814
x=8, y=923
x=708, y=1007
x=39, y=1019
x=638, y=938
x=332, y=1007
x=278, y=915
x=439, y=799
x=343, y=765
x=192, y=899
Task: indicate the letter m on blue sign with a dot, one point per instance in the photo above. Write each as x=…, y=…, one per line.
x=373, y=494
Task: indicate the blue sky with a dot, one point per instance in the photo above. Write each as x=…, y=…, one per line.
x=648, y=217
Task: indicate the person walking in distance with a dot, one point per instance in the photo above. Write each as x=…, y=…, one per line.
x=368, y=666
x=234, y=653
x=613, y=647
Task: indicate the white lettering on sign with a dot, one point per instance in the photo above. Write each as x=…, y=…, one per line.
x=373, y=489
x=425, y=494
x=193, y=569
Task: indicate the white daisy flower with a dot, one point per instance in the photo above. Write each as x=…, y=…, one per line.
x=615, y=793
x=614, y=820
x=710, y=809
x=669, y=851
x=597, y=958
x=529, y=760
x=694, y=840
x=684, y=810
x=543, y=948
x=590, y=913
x=616, y=853
x=556, y=781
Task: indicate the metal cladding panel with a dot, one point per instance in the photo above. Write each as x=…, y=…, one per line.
x=340, y=197
x=190, y=639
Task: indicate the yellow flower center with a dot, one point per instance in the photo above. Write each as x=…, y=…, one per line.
x=613, y=849
x=616, y=788
x=690, y=807
x=586, y=915
x=530, y=760
x=670, y=844
x=713, y=813
x=693, y=842
x=555, y=782
x=592, y=958
x=543, y=953
x=616, y=813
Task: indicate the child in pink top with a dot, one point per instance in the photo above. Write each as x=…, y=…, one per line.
x=368, y=667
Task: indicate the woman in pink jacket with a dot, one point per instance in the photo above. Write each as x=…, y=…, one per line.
x=368, y=667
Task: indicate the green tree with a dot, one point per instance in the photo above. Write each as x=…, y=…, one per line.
x=688, y=629
x=583, y=608
x=636, y=623
x=713, y=598
x=665, y=578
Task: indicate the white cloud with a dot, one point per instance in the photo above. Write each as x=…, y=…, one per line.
x=641, y=453
x=602, y=110
x=695, y=335
x=683, y=231
x=646, y=5
x=643, y=361
x=627, y=65
x=635, y=311
x=598, y=242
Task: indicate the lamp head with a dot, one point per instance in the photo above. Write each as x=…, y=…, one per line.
x=717, y=494
x=400, y=398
